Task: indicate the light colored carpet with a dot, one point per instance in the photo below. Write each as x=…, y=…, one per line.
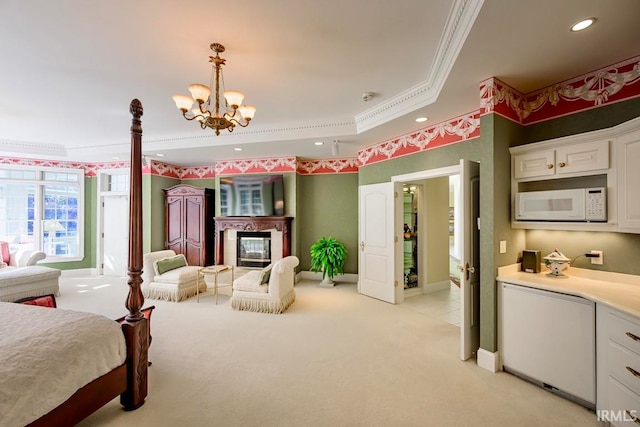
x=335, y=358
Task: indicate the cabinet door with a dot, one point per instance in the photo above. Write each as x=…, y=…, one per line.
x=174, y=223
x=530, y=165
x=550, y=337
x=193, y=230
x=590, y=156
x=628, y=152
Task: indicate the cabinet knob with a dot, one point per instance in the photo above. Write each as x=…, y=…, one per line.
x=549, y=166
x=562, y=164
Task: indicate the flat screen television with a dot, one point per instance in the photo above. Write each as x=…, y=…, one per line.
x=252, y=195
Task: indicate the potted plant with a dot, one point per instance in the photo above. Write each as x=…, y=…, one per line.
x=328, y=255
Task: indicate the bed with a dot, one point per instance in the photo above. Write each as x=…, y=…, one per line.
x=99, y=358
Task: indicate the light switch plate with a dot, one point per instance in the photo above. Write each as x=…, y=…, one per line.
x=503, y=246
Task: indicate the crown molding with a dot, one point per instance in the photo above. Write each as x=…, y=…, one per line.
x=32, y=148
x=461, y=18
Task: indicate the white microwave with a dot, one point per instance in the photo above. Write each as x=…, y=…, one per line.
x=579, y=204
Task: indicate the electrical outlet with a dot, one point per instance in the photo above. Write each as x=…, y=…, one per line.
x=599, y=259
x=503, y=246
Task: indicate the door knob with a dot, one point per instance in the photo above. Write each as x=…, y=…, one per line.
x=362, y=246
x=467, y=269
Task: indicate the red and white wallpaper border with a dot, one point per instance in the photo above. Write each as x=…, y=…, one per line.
x=459, y=129
x=607, y=85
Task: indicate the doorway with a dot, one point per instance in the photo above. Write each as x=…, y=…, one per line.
x=113, y=220
x=382, y=228
x=461, y=250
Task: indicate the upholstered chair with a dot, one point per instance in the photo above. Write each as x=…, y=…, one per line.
x=167, y=276
x=269, y=290
x=23, y=258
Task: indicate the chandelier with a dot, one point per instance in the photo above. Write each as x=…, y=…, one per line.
x=234, y=114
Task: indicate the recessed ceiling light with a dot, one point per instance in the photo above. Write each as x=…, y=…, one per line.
x=585, y=23
x=160, y=155
x=237, y=149
x=318, y=143
x=422, y=119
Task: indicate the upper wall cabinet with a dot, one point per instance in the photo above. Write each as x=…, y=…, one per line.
x=628, y=164
x=606, y=158
x=562, y=161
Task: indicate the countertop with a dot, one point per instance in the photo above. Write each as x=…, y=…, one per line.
x=619, y=291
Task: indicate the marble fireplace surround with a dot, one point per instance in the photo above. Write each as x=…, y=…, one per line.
x=226, y=228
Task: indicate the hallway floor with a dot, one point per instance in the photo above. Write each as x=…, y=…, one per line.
x=443, y=305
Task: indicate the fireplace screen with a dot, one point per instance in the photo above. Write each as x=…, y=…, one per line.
x=254, y=249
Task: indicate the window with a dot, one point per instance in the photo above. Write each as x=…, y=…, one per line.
x=41, y=209
x=118, y=183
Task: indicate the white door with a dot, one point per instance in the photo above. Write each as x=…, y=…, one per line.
x=470, y=260
x=378, y=272
x=115, y=235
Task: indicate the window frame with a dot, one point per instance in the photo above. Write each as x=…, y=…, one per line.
x=39, y=182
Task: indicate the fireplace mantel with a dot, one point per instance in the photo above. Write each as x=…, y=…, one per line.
x=251, y=223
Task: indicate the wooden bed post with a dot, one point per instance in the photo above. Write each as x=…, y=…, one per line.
x=135, y=326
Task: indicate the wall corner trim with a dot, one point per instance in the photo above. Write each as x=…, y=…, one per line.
x=488, y=360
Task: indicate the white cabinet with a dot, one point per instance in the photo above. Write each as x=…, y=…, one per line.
x=549, y=337
x=535, y=164
x=628, y=162
x=618, y=355
x=563, y=160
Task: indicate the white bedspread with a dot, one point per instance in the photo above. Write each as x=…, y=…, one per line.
x=47, y=354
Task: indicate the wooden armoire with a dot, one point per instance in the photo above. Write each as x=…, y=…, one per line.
x=189, y=223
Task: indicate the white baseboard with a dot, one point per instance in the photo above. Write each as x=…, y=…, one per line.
x=412, y=292
x=80, y=272
x=489, y=361
x=437, y=286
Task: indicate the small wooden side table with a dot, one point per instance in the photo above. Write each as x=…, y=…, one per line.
x=215, y=270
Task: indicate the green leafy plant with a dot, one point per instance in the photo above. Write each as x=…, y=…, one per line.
x=328, y=255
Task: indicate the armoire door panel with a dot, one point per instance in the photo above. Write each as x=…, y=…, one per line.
x=193, y=220
x=189, y=223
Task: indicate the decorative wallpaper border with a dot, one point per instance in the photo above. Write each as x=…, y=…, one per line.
x=317, y=167
x=268, y=165
x=618, y=82
x=607, y=85
x=459, y=129
x=90, y=169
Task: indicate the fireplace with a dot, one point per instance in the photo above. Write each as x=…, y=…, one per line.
x=253, y=248
x=227, y=232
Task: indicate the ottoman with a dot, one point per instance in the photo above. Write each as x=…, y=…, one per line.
x=30, y=281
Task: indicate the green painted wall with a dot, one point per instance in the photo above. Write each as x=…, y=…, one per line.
x=587, y=121
x=328, y=206
x=491, y=150
x=157, y=207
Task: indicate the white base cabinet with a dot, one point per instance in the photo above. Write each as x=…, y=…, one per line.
x=549, y=338
x=618, y=354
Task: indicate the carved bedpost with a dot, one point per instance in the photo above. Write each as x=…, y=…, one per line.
x=135, y=327
x=135, y=298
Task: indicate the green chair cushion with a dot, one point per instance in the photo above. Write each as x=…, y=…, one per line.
x=171, y=263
